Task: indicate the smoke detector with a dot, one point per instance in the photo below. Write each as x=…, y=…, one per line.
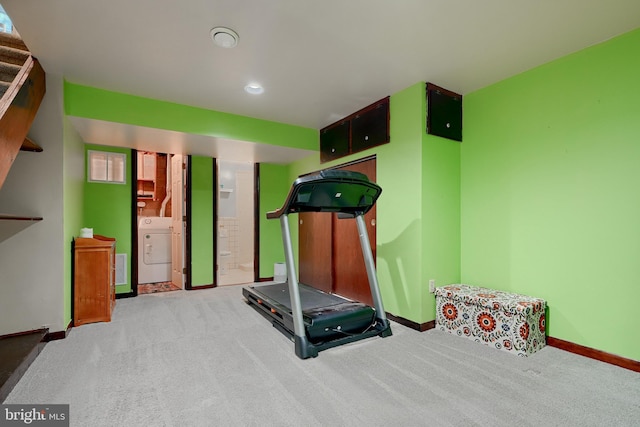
x=224, y=37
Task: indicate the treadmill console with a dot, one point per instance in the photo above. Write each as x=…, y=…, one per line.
x=332, y=190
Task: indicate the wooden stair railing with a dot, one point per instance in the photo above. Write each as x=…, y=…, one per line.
x=22, y=84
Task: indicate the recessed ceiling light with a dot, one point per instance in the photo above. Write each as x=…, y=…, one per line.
x=224, y=37
x=254, y=89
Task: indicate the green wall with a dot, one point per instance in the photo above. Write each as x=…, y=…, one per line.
x=549, y=192
x=202, y=219
x=399, y=208
x=440, y=216
x=274, y=187
x=93, y=103
x=107, y=209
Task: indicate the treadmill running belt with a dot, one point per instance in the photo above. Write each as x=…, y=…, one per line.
x=310, y=298
x=326, y=316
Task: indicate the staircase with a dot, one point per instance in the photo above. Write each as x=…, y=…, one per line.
x=13, y=55
x=22, y=87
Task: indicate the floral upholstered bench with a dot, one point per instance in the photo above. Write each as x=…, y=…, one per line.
x=506, y=321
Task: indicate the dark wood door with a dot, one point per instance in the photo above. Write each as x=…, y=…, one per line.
x=349, y=272
x=314, y=250
x=330, y=256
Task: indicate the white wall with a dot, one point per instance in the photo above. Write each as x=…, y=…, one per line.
x=74, y=180
x=32, y=267
x=237, y=208
x=245, y=210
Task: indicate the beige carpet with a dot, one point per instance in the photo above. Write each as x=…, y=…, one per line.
x=205, y=358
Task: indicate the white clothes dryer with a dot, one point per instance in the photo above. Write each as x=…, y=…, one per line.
x=154, y=249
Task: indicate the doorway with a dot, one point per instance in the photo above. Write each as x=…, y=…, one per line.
x=235, y=225
x=160, y=230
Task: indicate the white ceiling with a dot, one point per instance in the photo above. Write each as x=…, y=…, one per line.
x=317, y=60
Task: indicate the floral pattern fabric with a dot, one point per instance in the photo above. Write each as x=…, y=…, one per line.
x=506, y=321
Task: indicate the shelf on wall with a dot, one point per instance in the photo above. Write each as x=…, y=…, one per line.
x=12, y=224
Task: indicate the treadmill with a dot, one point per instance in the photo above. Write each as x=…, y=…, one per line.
x=315, y=320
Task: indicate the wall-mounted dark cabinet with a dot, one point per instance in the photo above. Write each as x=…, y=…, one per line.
x=334, y=141
x=444, y=113
x=361, y=130
x=371, y=127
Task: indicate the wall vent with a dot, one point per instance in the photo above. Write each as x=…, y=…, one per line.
x=121, y=269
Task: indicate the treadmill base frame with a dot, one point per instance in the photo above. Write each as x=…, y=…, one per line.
x=305, y=348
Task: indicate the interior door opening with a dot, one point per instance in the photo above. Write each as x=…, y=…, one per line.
x=159, y=219
x=235, y=233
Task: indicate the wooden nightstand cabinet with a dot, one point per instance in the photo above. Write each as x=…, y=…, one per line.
x=94, y=293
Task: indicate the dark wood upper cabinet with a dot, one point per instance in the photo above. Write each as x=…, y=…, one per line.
x=334, y=141
x=371, y=127
x=361, y=130
x=444, y=113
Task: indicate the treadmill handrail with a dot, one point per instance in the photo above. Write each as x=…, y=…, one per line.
x=331, y=190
